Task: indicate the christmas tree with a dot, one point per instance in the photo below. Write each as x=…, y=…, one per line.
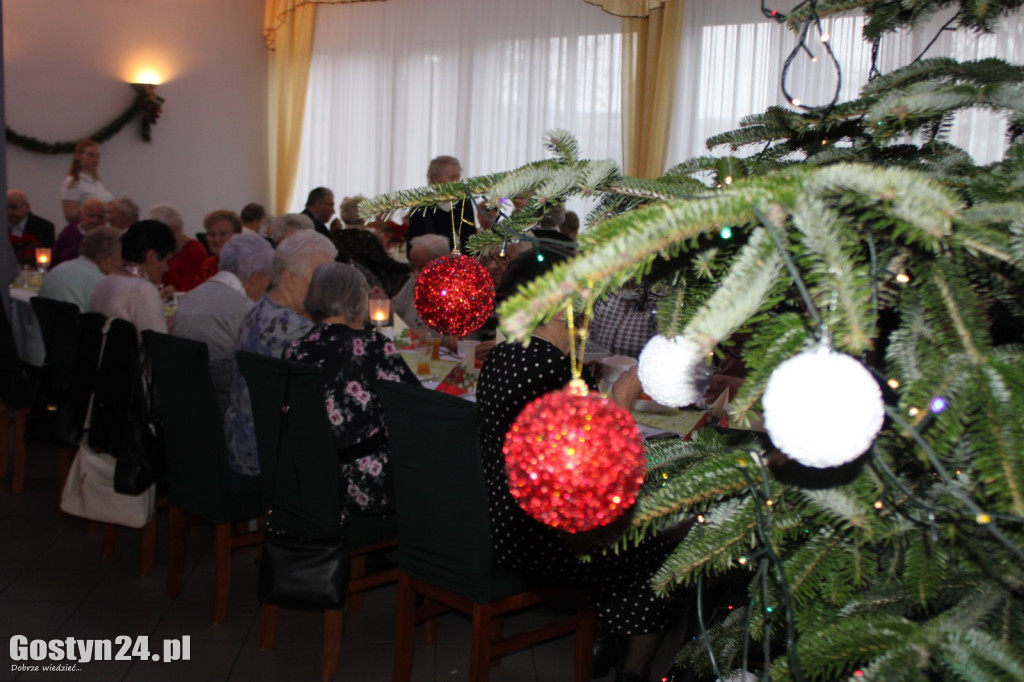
x=888, y=245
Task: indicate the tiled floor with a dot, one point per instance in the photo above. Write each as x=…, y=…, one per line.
x=54, y=583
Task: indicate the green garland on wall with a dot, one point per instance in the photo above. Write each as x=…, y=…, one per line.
x=147, y=104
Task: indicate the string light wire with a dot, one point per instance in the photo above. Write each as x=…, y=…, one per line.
x=801, y=46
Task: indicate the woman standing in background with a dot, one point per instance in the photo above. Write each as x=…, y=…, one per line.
x=83, y=181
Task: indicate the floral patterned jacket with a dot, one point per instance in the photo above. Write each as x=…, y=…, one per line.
x=352, y=360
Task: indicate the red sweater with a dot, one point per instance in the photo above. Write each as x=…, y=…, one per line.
x=183, y=267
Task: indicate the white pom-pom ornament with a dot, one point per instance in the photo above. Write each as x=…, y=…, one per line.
x=822, y=408
x=672, y=371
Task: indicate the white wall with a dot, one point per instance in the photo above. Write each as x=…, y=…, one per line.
x=67, y=62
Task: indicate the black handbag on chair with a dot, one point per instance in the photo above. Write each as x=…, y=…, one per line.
x=303, y=573
x=305, y=562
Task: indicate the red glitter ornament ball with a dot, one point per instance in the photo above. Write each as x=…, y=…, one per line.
x=574, y=461
x=454, y=295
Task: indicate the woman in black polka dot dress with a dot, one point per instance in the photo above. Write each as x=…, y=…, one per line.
x=617, y=585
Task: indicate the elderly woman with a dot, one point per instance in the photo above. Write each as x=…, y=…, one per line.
x=361, y=246
x=220, y=225
x=189, y=254
x=73, y=281
x=352, y=358
x=288, y=224
x=83, y=180
x=213, y=311
x=131, y=293
x=275, y=321
x=617, y=584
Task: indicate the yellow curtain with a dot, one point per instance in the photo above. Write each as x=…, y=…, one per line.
x=628, y=8
x=650, y=63
x=288, y=32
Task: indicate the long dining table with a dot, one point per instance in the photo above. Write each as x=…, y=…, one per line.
x=27, y=335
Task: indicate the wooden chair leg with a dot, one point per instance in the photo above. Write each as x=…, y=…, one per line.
x=583, y=650
x=333, y=621
x=18, y=474
x=268, y=625
x=405, y=631
x=497, y=630
x=64, y=457
x=432, y=630
x=109, y=539
x=147, y=548
x=357, y=569
x=221, y=571
x=5, y=439
x=176, y=551
x=480, y=645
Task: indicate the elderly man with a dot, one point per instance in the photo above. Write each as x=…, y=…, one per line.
x=73, y=281
x=320, y=208
x=22, y=221
x=91, y=214
x=213, y=311
x=443, y=219
x=183, y=267
x=122, y=213
x=274, y=322
x=422, y=250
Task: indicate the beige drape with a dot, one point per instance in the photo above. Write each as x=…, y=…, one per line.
x=288, y=32
x=650, y=63
x=628, y=8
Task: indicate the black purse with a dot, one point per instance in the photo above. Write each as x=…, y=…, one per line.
x=298, y=572
x=308, y=574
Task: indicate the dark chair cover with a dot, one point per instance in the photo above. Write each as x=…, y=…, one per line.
x=444, y=531
x=198, y=477
x=298, y=463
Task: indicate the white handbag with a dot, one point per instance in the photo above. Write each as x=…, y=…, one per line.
x=89, y=492
x=89, y=489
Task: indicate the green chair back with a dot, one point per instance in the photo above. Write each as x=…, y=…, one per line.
x=298, y=461
x=59, y=322
x=444, y=532
x=72, y=342
x=198, y=477
x=16, y=389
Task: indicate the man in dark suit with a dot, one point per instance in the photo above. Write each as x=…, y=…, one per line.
x=320, y=208
x=442, y=219
x=21, y=220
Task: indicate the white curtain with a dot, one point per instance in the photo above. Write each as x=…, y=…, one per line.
x=396, y=83
x=732, y=60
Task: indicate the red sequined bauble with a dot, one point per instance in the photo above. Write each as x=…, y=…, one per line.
x=574, y=461
x=454, y=295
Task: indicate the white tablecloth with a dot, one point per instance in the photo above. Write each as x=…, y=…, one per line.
x=25, y=326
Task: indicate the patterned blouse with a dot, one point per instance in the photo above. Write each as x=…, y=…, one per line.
x=352, y=360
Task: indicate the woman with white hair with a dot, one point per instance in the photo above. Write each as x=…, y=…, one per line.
x=276, y=320
x=352, y=358
x=214, y=310
x=287, y=224
x=183, y=267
